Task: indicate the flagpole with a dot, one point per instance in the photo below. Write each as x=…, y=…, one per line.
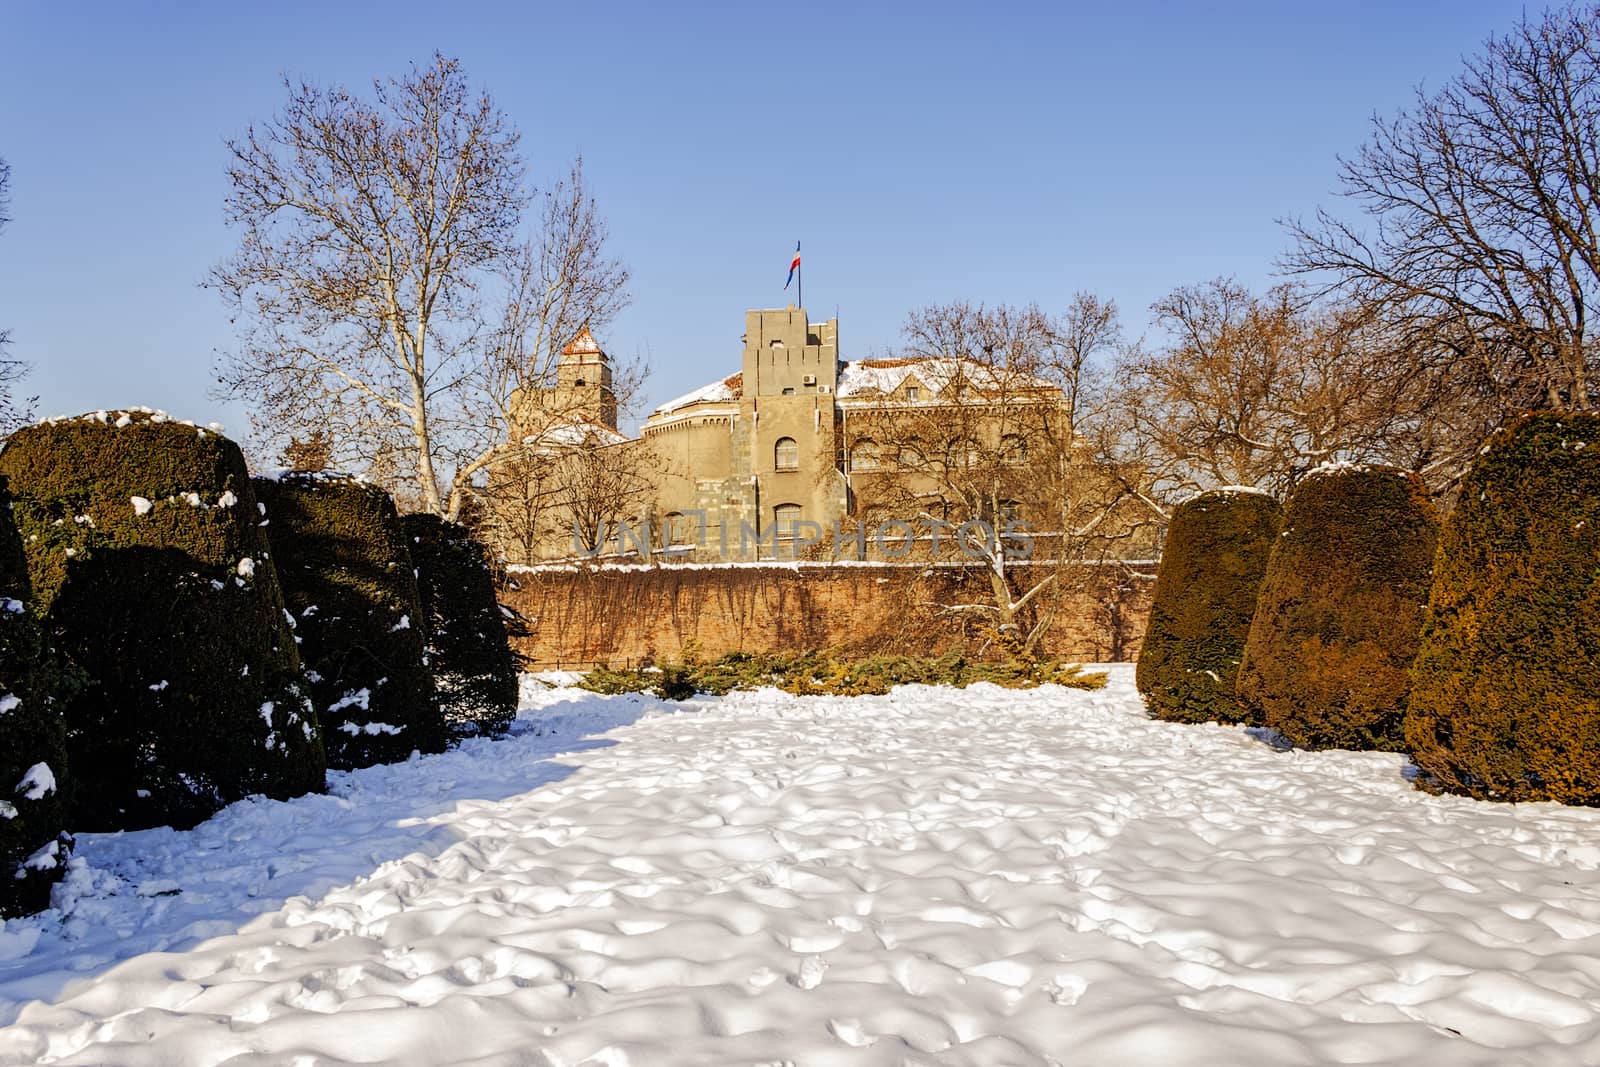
x=800, y=278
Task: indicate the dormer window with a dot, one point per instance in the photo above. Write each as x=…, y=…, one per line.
x=913, y=393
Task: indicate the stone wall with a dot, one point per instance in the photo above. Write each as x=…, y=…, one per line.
x=622, y=615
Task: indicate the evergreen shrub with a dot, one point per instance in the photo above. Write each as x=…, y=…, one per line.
x=33, y=739
x=1339, y=617
x=1204, y=598
x=1504, y=702
x=350, y=584
x=151, y=573
x=474, y=670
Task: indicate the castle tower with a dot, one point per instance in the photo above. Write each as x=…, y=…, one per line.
x=787, y=418
x=583, y=387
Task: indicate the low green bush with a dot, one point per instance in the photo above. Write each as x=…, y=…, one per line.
x=150, y=572
x=818, y=673
x=350, y=584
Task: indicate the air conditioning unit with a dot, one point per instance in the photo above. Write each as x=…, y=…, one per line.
x=809, y=379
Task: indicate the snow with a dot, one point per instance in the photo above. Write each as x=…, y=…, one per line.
x=227, y=499
x=358, y=698
x=879, y=377
x=574, y=432
x=1252, y=489
x=37, y=782
x=141, y=505
x=372, y=729
x=719, y=392
x=246, y=567
x=9, y=702
x=930, y=877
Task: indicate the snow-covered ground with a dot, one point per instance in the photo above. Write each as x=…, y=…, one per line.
x=932, y=877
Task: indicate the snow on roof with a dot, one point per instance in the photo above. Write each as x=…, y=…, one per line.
x=862, y=377
x=730, y=388
x=574, y=431
x=583, y=344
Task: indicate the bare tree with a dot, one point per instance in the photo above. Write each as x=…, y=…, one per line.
x=1258, y=390
x=13, y=413
x=561, y=280
x=1000, y=458
x=369, y=230
x=1482, y=242
x=564, y=492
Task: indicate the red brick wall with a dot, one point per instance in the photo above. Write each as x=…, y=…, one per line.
x=620, y=616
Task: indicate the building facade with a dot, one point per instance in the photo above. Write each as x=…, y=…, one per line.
x=797, y=453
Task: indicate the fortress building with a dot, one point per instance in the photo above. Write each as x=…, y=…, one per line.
x=794, y=442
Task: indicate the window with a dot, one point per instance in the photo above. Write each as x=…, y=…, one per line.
x=785, y=517
x=680, y=530
x=913, y=393
x=864, y=456
x=1013, y=450
x=911, y=458
x=963, y=454
x=1010, y=511
x=786, y=455
x=788, y=390
x=579, y=383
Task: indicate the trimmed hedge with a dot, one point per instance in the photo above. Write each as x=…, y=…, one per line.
x=1504, y=702
x=473, y=667
x=1339, y=617
x=150, y=572
x=349, y=582
x=33, y=739
x=1200, y=609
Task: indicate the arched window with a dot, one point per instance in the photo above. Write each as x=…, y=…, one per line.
x=962, y=454
x=864, y=456
x=911, y=457
x=786, y=455
x=784, y=518
x=1013, y=450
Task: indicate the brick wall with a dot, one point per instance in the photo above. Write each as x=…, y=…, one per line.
x=622, y=615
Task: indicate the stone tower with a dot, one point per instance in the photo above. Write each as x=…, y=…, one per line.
x=583, y=387
x=787, y=417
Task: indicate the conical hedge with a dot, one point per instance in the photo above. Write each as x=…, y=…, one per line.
x=1204, y=597
x=473, y=668
x=1340, y=613
x=349, y=582
x=33, y=739
x=151, y=574
x=1505, y=704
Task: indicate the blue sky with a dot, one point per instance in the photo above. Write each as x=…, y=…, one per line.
x=923, y=153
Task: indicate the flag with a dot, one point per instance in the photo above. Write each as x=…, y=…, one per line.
x=794, y=265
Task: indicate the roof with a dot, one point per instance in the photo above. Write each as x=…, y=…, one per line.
x=730, y=388
x=574, y=431
x=583, y=344
x=864, y=377
x=869, y=377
